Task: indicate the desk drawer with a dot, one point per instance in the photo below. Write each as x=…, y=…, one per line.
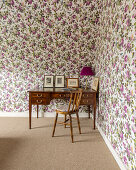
x=40, y=101
x=88, y=101
x=60, y=95
x=39, y=94
x=87, y=95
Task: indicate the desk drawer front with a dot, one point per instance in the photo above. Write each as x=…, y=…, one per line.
x=60, y=95
x=40, y=101
x=39, y=94
x=86, y=101
x=87, y=95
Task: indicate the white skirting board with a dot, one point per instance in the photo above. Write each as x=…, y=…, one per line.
x=116, y=157
x=34, y=114
x=52, y=114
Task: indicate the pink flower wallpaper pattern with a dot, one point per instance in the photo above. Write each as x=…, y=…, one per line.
x=43, y=38
x=115, y=65
x=51, y=37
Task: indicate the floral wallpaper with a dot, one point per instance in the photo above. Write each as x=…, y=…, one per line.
x=55, y=37
x=40, y=38
x=115, y=65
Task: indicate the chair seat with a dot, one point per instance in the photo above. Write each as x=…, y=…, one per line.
x=64, y=108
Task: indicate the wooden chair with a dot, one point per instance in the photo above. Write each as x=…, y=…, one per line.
x=68, y=110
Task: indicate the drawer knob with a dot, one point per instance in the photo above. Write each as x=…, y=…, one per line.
x=39, y=95
x=39, y=101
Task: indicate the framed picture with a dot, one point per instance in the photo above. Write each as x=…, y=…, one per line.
x=72, y=82
x=48, y=81
x=59, y=81
x=95, y=83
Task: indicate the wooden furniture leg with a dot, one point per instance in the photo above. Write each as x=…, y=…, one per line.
x=30, y=114
x=37, y=110
x=89, y=111
x=71, y=128
x=94, y=115
x=65, y=118
x=78, y=123
x=55, y=124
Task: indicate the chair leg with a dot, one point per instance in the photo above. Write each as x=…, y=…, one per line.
x=55, y=124
x=71, y=128
x=65, y=117
x=78, y=123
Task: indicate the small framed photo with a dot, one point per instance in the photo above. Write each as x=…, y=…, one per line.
x=59, y=81
x=95, y=83
x=72, y=82
x=48, y=81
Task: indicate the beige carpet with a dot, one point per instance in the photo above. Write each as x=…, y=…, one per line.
x=35, y=149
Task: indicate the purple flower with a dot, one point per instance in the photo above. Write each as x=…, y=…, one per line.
x=128, y=46
x=4, y=17
x=35, y=6
x=128, y=98
x=42, y=19
x=126, y=57
x=34, y=32
x=126, y=8
x=47, y=31
x=30, y=1
x=122, y=41
x=88, y=3
x=128, y=22
x=128, y=152
x=77, y=10
x=75, y=26
x=121, y=135
x=55, y=1
x=38, y=36
x=125, y=160
x=63, y=22
x=70, y=3
x=127, y=74
x=48, y=10
x=127, y=126
x=69, y=34
x=74, y=16
x=122, y=88
x=96, y=20
x=12, y=2
x=85, y=33
x=125, y=109
x=59, y=18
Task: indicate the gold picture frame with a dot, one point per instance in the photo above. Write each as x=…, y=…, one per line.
x=72, y=82
x=95, y=83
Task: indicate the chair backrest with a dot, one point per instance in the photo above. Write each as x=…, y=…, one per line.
x=75, y=99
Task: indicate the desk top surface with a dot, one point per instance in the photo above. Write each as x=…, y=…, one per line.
x=61, y=90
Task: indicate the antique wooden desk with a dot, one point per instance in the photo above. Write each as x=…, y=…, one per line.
x=45, y=95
